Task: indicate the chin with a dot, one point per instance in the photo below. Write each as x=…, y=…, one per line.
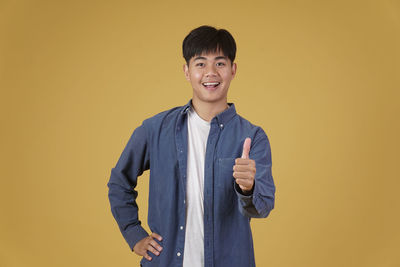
x=210, y=96
x=211, y=99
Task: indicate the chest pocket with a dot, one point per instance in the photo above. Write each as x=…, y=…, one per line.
x=225, y=194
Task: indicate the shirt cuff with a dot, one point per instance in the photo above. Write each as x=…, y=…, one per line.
x=134, y=235
x=241, y=193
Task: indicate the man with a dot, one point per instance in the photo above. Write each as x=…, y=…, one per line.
x=210, y=170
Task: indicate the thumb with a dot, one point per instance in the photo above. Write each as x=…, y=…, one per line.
x=246, y=148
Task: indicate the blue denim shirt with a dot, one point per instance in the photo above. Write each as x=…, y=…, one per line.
x=160, y=144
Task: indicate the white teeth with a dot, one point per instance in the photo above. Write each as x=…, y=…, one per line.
x=207, y=84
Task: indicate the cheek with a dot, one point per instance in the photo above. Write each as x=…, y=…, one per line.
x=196, y=76
x=227, y=76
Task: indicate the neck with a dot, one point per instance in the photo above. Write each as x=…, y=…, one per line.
x=208, y=110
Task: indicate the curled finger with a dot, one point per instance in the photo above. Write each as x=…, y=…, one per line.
x=152, y=250
x=156, y=236
x=147, y=257
x=155, y=245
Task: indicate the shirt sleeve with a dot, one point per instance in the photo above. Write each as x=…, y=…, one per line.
x=133, y=161
x=260, y=203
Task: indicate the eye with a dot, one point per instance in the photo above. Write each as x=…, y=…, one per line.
x=220, y=64
x=200, y=64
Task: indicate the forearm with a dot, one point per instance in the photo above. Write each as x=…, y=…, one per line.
x=256, y=204
x=261, y=201
x=123, y=180
x=125, y=210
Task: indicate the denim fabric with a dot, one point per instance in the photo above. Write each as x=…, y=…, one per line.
x=160, y=144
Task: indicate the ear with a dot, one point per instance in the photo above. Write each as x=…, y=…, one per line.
x=234, y=67
x=186, y=71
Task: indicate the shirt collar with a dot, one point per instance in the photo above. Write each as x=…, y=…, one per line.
x=221, y=118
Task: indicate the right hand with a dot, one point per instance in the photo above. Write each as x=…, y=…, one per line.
x=148, y=244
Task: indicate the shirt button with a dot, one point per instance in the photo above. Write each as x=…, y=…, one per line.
x=181, y=227
x=178, y=254
x=221, y=125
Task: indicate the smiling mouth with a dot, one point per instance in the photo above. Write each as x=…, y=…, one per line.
x=211, y=85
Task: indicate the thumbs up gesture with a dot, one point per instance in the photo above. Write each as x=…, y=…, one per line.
x=244, y=169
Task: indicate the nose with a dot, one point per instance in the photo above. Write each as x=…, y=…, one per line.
x=211, y=70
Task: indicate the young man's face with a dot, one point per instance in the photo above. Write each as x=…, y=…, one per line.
x=210, y=76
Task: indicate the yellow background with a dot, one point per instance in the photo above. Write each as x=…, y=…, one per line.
x=321, y=77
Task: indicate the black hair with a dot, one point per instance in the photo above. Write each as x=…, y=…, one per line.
x=209, y=40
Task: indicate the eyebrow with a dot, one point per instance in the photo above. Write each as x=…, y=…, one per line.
x=216, y=58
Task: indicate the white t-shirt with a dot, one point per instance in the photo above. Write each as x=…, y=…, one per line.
x=198, y=130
